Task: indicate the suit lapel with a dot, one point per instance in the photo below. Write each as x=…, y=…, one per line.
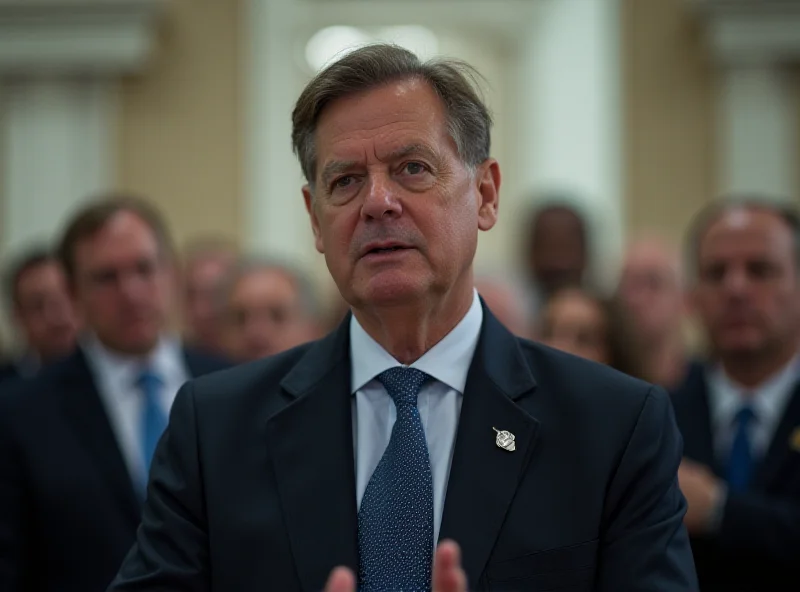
x=84, y=412
x=781, y=448
x=483, y=476
x=311, y=446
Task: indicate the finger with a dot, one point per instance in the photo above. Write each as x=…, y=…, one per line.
x=341, y=580
x=447, y=573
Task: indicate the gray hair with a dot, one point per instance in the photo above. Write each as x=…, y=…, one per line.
x=245, y=266
x=455, y=83
x=717, y=208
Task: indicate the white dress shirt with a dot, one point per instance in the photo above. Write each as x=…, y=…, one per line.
x=768, y=401
x=439, y=401
x=116, y=377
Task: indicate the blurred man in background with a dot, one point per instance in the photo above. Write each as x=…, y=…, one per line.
x=651, y=294
x=206, y=263
x=268, y=308
x=36, y=290
x=740, y=415
x=558, y=247
x=76, y=441
x=508, y=301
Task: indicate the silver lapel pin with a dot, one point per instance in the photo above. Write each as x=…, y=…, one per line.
x=505, y=440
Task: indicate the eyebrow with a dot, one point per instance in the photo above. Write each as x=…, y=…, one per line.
x=336, y=167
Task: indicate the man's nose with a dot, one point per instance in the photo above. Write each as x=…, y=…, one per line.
x=735, y=281
x=381, y=200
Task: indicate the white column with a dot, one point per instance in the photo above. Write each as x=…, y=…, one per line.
x=569, y=113
x=58, y=145
x=276, y=218
x=757, y=132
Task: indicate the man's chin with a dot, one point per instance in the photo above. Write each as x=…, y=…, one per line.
x=391, y=293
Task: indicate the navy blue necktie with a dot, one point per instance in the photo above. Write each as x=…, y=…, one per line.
x=153, y=419
x=740, y=461
x=395, y=521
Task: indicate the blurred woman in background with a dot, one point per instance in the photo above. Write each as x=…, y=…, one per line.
x=583, y=324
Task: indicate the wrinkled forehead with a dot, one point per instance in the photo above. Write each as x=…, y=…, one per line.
x=380, y=120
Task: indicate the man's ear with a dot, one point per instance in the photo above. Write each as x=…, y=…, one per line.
x=488, y=178
x=308, y=197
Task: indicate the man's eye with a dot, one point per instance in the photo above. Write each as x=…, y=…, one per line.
x=414, y=168
x=343, y=182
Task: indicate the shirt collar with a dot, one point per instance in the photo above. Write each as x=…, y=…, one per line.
x=767, y=399
x=448, y=361
x=124, y=369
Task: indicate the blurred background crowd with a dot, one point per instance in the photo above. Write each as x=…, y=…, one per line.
x=616, y=123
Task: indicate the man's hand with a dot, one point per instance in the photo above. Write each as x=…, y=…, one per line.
x=447, y=573
x=703, y=493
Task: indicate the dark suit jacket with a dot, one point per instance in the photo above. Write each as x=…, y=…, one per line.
x=758, y=545
x=8, y=372
x=68, y=510
x=253, y=486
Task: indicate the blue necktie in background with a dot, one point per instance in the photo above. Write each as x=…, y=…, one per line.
x=740, y=462
x=153, y=419
x=395, y=521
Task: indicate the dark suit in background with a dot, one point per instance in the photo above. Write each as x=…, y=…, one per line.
x=253, y=485
x=68, y=509
x=758, y=543
x=8, y=372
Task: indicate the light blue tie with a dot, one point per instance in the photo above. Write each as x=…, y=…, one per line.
x=740, y=462
x=153, y=420
x=395, y=521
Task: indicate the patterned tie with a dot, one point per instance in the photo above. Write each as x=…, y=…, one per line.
x=740, y=462
x=395, y=522
x=152, y=421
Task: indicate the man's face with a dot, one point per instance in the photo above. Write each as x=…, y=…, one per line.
x=44, y=312
x=650, y=289
x=123, y=284
x=747, y=290
x=558, y=259
x=394, y=209
x=202, y=281
x=265, y=316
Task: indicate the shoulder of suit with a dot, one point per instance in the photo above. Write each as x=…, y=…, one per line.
x=265, y=375
x=19, y=393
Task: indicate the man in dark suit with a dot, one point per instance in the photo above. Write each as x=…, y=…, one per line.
x=420, y=419
x=75, y=440
x=740, y=416
x=38, y=302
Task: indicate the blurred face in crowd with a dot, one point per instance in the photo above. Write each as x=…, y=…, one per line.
x=577, y=324
x=123, y=284
x=558, y=257
x=202, y=280
x=507, y=305
x=747, y=291
x=44, y=312
x=265, y=315
x=394, y=209
x=650, y=289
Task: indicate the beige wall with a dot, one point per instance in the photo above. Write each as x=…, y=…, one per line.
x=669, y=116
x=180, y=130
